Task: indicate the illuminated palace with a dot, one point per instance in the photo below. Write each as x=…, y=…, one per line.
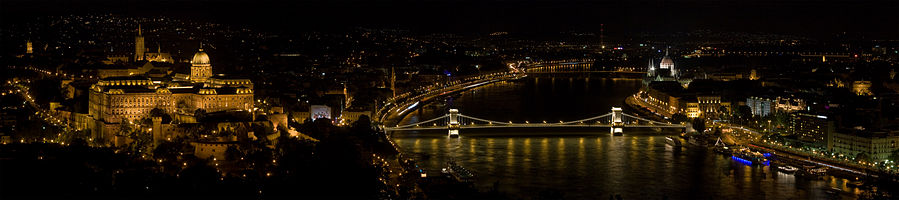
x=124, y=99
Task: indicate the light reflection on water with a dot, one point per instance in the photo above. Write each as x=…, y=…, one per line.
x=637, y=167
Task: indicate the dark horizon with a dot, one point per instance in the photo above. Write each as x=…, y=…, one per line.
x=802, y=18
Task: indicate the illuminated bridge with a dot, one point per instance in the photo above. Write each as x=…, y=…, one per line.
x=616, y=121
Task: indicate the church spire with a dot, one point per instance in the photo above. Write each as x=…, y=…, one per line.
x=139, y=48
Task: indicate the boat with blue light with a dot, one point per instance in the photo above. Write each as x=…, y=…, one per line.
x=750, y=158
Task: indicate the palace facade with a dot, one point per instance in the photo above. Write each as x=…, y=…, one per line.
x=131, y=95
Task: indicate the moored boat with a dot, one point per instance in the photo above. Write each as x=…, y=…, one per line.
x=750, y=158
x=457, y=172
x=673, y=141
x=788, y=169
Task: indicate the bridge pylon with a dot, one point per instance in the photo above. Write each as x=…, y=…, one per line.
x=453, y=125
x=617, y=122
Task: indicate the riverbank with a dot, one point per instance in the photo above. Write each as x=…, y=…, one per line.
x=398, y=108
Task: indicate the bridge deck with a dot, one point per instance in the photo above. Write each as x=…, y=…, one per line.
x=479, y=126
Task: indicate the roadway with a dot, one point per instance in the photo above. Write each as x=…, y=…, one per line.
x=749, y=137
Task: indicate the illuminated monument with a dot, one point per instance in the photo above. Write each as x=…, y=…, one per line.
x=139, y=45
x=200, y=68
x=664, y=71
x=668, y=64
x=141, y=52
x=129, y=95
x=28, y=48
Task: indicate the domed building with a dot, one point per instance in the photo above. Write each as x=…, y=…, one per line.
x=131, y=94
x=668, y=64
x=200, y=68
x=665, y=71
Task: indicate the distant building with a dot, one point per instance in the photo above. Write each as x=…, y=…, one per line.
x=761, y=106
x=139, y=45
x=862, y=88
x=789, y=104
x=691, y=107
x=877, y=145
x=662, y=97
x=815, y=129
x=28, y=48
x=319, y=112
x=665, y=71
x=141, y=52
x=764, y=106
x=352, y=116
x=214, y=149
x=709, y=103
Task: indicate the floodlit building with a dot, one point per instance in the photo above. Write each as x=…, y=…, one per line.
x=141, y=52
x=764, y=106
x=815, y=129
x=709, y=103
x=214, y=148
x=761, y=106
x=862, y=88
x=664, y=71
x=877, y=145
x=126, y=95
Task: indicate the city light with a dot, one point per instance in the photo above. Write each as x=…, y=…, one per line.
x=437, y=108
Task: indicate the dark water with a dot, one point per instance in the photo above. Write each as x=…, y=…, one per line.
x=590, y=164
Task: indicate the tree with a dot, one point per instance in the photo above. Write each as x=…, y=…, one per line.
x=362, y=126
x=744, y=111
x=727, y=113
x=200, y=114
x=699, y=124
x=894, y=156
x=170, y=150
x=232, y=153
x=140, y=141
x=678, y=117
x=862, y=157
x=72, y=136
x=159, y=112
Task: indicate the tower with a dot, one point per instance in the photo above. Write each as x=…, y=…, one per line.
x=454, y=124
x=602, y=31
x=650, y=69
x=28, y=48
x=393, y=81
x=139, y=45
x=673, y=71
x=617, y=122
x=200, y=68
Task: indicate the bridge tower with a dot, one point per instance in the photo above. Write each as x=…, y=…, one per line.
x=617, y=122
x=454, y=125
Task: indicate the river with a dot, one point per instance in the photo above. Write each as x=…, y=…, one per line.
x=589, y=164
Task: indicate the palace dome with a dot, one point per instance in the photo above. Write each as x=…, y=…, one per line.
x=200, y=58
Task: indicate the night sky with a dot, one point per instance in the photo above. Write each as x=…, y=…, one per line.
x=874, y=19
